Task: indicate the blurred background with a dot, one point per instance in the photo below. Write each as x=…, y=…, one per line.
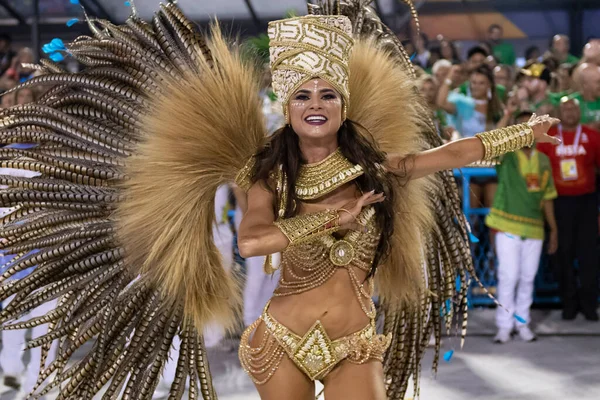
x=481, y=64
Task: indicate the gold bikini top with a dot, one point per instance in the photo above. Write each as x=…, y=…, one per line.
x=355, y=247
x=310, y=264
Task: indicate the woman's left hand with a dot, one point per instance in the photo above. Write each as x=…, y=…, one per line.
x=540, y=124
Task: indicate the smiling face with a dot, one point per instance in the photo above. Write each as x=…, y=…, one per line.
x=480, y=84
x=315, y=110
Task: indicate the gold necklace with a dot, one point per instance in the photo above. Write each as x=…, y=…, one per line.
x=318, y=179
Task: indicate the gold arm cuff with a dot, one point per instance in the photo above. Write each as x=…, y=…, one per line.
x=303, y=228
x=242, y=179
x=505, y=140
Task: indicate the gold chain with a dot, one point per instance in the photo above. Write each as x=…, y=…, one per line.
x=319, y=179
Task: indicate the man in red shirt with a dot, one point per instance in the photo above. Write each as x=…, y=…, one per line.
x=574, y=165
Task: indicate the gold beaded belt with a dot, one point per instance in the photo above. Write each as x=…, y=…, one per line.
x=316, y=354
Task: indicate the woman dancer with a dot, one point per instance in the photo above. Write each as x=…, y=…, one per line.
x=333, y=233
x=160, y=119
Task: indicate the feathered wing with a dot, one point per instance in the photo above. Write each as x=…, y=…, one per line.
x=430, y=247
x=130, y=151
x=199, y=133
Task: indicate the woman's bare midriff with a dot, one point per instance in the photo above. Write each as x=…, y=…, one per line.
x=334, y=303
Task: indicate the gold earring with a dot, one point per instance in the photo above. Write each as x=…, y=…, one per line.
x=344, y=113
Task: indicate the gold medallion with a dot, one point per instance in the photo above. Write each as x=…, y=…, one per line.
x=341, y=253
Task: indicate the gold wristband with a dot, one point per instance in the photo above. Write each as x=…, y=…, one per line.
x=505, y=140
x=306, y=227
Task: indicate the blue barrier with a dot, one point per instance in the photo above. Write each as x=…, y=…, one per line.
x=484, y=256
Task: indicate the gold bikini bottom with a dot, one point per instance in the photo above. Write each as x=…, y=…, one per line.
x=315, y=353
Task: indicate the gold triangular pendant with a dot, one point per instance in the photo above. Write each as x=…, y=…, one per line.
x=314, y=354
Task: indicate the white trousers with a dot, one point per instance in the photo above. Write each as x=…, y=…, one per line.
x=12, y=352
x=518, y=261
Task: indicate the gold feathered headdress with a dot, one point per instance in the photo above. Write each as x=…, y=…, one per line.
x=310, y=47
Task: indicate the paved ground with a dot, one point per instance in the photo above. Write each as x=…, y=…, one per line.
x=563, y=364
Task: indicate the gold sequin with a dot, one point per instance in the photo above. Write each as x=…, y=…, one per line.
x=506, y=140
x=318, y=179
x=307, y=47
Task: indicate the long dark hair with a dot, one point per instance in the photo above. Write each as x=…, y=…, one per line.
x=282, y=149
x=495, y=107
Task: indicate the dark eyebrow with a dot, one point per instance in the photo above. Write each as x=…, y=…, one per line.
x=306, y=91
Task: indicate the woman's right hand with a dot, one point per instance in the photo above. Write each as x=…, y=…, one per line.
x=540, y=124
x=354, y=207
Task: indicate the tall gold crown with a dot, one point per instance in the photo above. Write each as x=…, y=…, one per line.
x=313, y=46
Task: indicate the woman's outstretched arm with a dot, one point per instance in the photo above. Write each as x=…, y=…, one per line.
x=467, y=151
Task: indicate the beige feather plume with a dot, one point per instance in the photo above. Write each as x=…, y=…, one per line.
x=199, y=132
x=385, y=102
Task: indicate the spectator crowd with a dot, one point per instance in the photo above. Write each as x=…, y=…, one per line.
x=547, y=192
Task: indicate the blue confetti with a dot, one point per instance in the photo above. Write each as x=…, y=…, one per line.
x=413, y=56
x=47, y=48
x=473, y=238
x=58, y=44
x=72, y=22
x=520, y=319
x=448, y=355
x=128, y=4
x=445, y=308
x=74, y=1
x=57, y=57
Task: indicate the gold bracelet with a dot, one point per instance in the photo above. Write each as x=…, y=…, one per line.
x=352, y=215
x=306, y=227
x=505, y=140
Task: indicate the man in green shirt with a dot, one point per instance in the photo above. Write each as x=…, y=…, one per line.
x=534, y=91
x=503, y=51
x=524, y=197
x=561, y=44
x=589, y=96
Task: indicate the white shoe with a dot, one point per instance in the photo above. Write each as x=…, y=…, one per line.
x=503, y=336
x=526, y=334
